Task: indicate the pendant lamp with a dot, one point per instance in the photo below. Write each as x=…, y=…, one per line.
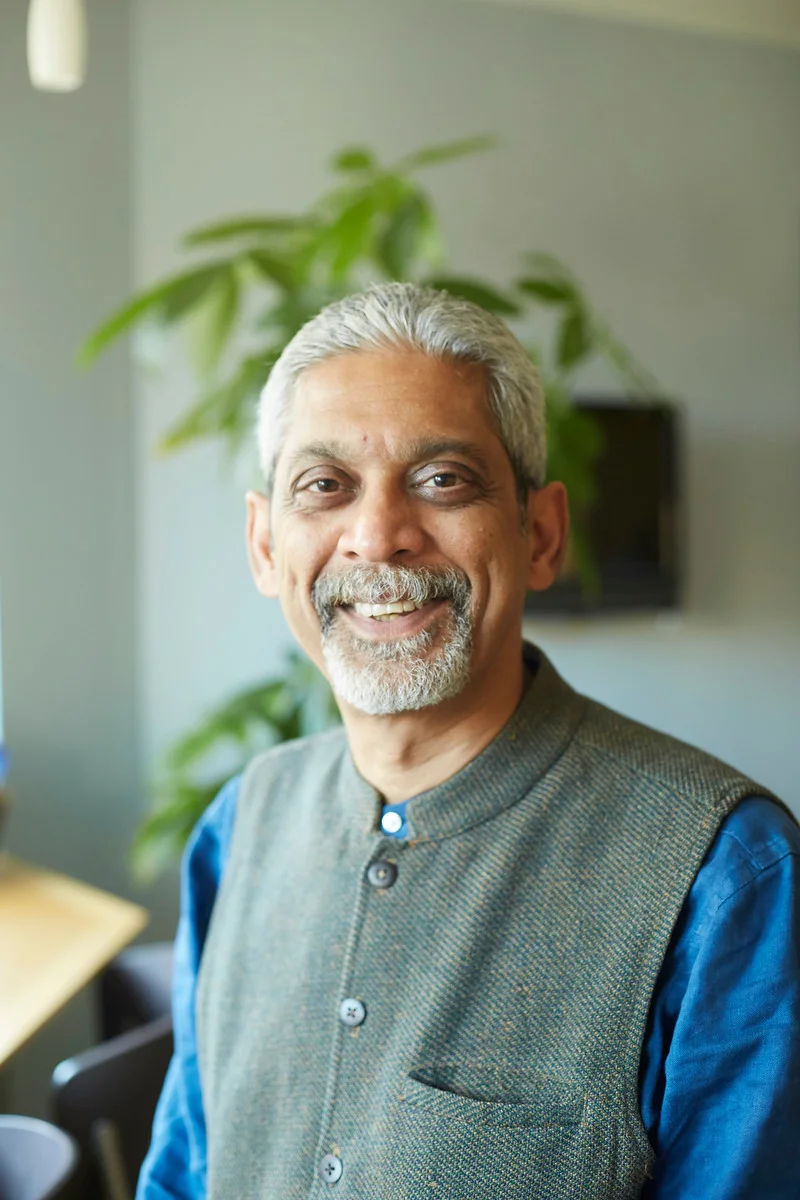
x=57, y=39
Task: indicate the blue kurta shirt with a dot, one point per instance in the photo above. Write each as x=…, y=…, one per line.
x=720, y=1064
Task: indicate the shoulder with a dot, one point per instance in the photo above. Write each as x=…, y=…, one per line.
x=662, y=765
x=291, y=762
x=300, y=769
x=295, y=756
x=288, y=761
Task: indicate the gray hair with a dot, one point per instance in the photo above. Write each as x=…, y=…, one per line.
x=443, y=326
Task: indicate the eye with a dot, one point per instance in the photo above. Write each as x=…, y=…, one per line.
x=446, y=483
x=445, y=479
x=322, y=487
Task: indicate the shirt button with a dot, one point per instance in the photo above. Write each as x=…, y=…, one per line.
x=391, y=822
x=382, y=874
x=330, y=1168
x=352, y=1012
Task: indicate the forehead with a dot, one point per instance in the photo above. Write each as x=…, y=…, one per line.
x=384, y=399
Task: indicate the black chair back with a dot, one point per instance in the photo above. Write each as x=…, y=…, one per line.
x=106, y=1098
x=136, y=988
x=37, y=1161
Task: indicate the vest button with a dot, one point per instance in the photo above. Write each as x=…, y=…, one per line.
x=330, y=1168
x=382, y=874
x=352, y=1012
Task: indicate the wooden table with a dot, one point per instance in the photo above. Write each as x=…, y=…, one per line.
x=55, y=935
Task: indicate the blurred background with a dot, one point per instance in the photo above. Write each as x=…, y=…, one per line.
x=652, y=146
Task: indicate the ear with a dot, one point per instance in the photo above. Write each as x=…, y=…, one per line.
x=547, y=530
x=259, y=544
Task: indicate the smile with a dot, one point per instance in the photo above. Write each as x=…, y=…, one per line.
x=386, y=612
x=404, y=616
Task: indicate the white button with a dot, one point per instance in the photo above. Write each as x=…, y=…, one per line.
x=391, y=822
x=330, y=1168
x=352, y=1012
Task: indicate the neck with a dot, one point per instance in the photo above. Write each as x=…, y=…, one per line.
x=407, y=753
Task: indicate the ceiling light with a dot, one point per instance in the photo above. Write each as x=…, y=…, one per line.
x=57, y=37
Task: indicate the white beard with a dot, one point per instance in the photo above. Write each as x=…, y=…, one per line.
x=406, y=673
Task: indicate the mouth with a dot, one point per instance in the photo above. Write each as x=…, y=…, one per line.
x=401, y=617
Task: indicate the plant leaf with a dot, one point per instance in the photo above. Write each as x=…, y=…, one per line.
x=227, y=411
x=168, y=299
x=444, y=152
x=238, y=227
x=187, y=292
x=165, y=831
x=209, y=326
x=348, y=238
x=549, y=291
x=354, y=158
x=405, y=236
x=549, y=265
x=272, y=267
x=479, y=293
x=630, y=370
x=574, y=340
x=231, y=721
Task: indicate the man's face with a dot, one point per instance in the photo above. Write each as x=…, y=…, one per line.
x=393, y=488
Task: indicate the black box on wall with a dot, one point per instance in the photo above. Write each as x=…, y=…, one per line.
x=633, y=528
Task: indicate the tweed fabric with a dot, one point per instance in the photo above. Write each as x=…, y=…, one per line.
x=506, y=974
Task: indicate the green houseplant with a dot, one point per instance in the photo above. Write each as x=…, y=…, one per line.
x=259, y=279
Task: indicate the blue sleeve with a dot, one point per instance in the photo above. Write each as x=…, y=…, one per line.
x=175, y=1166
x=720, y=1071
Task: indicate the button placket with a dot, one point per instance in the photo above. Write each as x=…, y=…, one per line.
x=381, y=875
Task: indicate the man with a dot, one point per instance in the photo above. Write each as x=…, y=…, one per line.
x=491, y=939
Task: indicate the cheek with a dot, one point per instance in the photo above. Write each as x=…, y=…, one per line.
x=300, y=558
x=496, y=560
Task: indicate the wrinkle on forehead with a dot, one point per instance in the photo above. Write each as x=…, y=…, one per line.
x=376, y=401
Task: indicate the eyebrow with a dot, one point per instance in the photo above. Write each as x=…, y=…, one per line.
x=420, y=450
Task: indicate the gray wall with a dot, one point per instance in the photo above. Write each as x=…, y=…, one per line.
x=665, y=167
x=66, y=485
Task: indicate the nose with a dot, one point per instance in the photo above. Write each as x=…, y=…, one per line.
x=381, y=525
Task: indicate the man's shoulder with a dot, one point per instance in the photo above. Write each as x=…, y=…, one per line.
x=293, y=763
x=297, y=755
x=658, y=760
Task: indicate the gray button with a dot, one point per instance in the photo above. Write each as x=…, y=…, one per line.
x=391, y=822
x=382, y=874
x=352, y=1012
x=330, y=1168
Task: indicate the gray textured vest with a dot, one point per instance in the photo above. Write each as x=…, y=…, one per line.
x=502, y=979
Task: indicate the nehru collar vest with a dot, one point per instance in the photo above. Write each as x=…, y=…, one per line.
x=458, y=1014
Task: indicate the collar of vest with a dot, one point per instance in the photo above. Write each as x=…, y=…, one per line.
x=507, y=769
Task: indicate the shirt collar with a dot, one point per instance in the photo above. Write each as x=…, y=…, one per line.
x=523, y=751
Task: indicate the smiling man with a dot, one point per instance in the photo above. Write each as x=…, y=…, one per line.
x=491, y=939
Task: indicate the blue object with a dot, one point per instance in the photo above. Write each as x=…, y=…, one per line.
x=720, y=1065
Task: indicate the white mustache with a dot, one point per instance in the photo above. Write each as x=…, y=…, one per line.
x=389, y=585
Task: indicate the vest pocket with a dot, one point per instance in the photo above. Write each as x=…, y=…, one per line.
x=460, y=1148
x=553, y=1104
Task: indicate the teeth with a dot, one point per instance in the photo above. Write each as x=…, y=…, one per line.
x=386, y=610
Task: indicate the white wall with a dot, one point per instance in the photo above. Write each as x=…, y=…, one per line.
x=664, y=166
x=66, y=486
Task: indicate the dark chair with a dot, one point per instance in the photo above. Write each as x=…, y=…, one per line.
x=106, y=1098
x=135, y=988
x=37, y=1161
